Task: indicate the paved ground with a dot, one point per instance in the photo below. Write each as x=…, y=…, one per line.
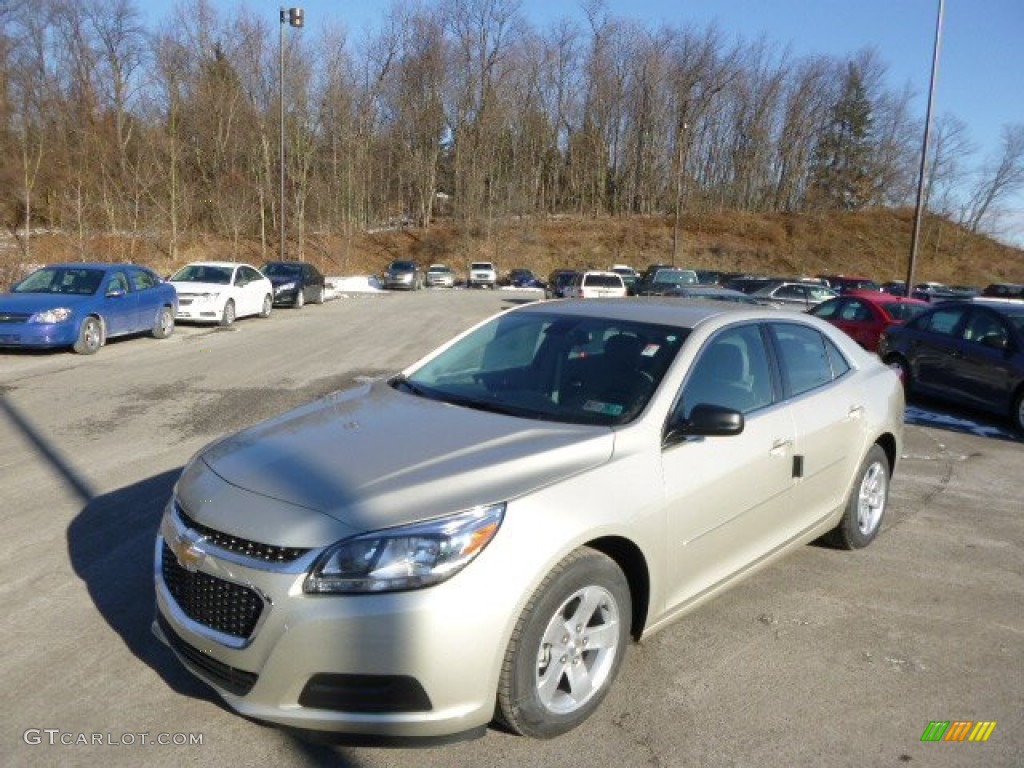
x=825, y=659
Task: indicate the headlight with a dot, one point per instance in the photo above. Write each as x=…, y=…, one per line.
x=58, y=315
x=409, y=557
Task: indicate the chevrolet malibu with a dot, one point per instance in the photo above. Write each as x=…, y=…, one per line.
x=480, y=537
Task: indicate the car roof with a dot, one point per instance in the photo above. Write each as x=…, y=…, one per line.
x=92, y=265
x=654, y=309
x=228, y=264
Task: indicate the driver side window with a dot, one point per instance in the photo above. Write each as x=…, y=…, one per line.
x=732, y=371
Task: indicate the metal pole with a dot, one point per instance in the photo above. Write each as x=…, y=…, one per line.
x=284, y=19
x=918, y=212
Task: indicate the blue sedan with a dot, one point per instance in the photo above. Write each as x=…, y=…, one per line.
x=82, y=305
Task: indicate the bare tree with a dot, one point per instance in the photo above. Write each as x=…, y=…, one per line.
x=998, y=180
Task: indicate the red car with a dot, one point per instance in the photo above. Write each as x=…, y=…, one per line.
x=864, y=315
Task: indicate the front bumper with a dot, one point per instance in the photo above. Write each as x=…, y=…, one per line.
x=38, y=335
x=418, y=664
x=198, y=310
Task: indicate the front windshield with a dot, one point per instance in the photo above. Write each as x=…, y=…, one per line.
x=577, y=370
x=76, y=280
x=202, y=273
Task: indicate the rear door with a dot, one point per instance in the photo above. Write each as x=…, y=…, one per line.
x=827, y=408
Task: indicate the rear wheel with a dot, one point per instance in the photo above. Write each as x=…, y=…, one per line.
x=90, y=337
x=566, y=648
x=866, y=505
x=320, y=295
x=228, y=316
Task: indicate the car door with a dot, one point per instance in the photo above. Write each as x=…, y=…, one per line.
x=983, y=371
x=857, y=319
x=934, y=350
x=727, y=498
x=144, y=285
x=827, y=408
x=120, y=304
x=250, y=289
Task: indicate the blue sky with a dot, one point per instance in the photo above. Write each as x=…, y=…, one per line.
x=981, y=67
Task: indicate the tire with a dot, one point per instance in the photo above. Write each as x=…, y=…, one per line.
x=866, y=506
x=320, y=298
x=228, y=317
x=1017, y=412
x=300, y=298
x=555, y=675
x=90, y=336
x=268, y=306
x=164, y=324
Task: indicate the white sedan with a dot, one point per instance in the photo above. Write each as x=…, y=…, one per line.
x=221, y=291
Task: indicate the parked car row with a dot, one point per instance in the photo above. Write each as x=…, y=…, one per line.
x=81, y=305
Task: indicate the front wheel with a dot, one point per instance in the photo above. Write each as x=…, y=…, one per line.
x=228, y=316
x=90, y=337
x=1017, y=414
x=268, y=306
x=164, y=325
x=900, y=364
x=300, y=298
x=865, y=508
x=566, y=647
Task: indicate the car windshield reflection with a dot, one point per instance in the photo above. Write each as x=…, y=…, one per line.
x=576, y=370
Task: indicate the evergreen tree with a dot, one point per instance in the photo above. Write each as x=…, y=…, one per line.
x=843, y=175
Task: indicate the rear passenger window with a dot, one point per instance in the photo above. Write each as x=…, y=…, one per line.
x=805, y=360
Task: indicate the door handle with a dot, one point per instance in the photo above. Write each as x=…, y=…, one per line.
x=856, y=411
x=779, y=447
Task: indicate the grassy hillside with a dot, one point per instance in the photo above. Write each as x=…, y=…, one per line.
x=873, y=243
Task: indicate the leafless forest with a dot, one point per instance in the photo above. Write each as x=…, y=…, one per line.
x=458, y=112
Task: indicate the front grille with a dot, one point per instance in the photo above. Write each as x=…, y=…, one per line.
x=231, y=679
x=268, y=553
x=221, y=605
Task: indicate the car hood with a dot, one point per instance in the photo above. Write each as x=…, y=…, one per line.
x=38, y=302
x=373, y=457
x=194, y=287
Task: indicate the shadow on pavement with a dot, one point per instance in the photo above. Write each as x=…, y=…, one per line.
x=110, y=546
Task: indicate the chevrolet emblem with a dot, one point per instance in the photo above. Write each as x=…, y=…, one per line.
x=188, y=553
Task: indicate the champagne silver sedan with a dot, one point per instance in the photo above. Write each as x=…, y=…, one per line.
x=481, y=536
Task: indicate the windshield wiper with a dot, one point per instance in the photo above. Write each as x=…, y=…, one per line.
x=401, y=380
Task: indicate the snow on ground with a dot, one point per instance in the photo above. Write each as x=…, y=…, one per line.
x=930, y=416
x=344, y=287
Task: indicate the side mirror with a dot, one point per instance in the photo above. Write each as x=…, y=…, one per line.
x=706, y=420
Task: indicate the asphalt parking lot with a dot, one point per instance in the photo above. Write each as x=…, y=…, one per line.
x=825, y=658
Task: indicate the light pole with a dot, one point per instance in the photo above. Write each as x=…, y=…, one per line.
x=293, y=17
x=918, y=212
